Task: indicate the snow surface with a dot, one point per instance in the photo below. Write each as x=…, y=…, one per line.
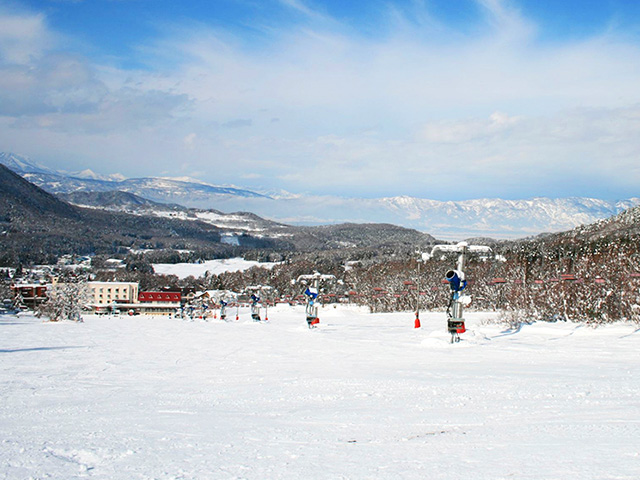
x=362, y=397
x=214, y=267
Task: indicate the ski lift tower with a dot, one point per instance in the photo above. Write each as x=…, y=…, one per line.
x=457, y=283
x=311, y=293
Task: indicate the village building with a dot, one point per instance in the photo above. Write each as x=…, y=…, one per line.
x=124, y=297
x=108, y=293
x=159, y=303
x=31, y=294
x=112, y=297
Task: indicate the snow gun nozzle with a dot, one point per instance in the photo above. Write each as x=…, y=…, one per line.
x=456, y=280
x=451, y=276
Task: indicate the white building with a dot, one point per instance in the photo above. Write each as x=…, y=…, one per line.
x=108, y=293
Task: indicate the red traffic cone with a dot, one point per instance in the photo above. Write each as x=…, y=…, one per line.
x=417, y=323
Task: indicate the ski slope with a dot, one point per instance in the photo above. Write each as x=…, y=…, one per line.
x=214, y=267
x=362, y=397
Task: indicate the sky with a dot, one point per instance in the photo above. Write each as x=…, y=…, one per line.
x=438, y=99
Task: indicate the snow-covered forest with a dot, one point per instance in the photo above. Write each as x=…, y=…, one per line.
x=527, y=281
x=596, y=283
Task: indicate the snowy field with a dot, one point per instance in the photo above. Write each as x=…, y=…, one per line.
x=214, y=267
x=362, y=397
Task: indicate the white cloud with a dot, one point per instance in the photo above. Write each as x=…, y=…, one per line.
x=354, y=114
x=23, y=37
x=189, y=140
x=507, y=20
x=42, y=87
x=467, y=130
x=303, y=8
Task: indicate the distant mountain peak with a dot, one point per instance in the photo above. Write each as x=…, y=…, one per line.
x=23, y=164
x=187, y=179
x=91, y=175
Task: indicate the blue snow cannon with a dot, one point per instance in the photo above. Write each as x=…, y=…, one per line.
x=456, y=280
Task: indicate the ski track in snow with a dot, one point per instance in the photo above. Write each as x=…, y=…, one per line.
x=362, y=397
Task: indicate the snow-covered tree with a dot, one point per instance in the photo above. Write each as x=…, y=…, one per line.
x=18, y=300
x=65, y=302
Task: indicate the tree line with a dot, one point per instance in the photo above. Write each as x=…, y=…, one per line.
x=596, y=282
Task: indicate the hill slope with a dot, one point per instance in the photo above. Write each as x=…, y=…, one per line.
x=625, y=224
x=35, y=226
x=22, y=200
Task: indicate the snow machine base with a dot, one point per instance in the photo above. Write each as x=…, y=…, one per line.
x=456, y=327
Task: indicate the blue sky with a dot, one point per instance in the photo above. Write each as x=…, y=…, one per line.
x=448, y=100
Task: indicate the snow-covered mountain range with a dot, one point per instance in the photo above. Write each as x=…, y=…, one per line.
x=504, y=218
x=25, y=165
x=497, y=218
x=159, y=189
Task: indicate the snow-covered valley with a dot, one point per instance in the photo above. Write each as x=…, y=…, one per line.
x=364, y=396
x=213, y=267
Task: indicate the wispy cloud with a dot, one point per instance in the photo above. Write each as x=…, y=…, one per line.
x=414, y=110
x=23, y=37
x=505, y=19
x=302, y=7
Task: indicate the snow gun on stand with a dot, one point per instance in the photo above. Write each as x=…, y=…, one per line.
x=255, y=307
x=256, y=300
x=311, y=294
x=223, y=310
x=457, y=283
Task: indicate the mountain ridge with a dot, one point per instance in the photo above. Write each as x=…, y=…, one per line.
x=36, y=226
x=450, y=220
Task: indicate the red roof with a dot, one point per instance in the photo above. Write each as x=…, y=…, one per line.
x=163, y=297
